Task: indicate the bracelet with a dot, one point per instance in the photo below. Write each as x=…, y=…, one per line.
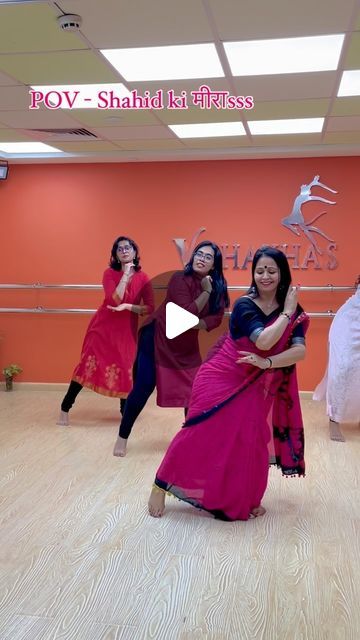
x=270, y=361
x=205, y=291
x=283, y=313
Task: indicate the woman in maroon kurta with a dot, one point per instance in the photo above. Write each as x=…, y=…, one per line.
x=171, y=365
x=178, y=360
x=109, y=346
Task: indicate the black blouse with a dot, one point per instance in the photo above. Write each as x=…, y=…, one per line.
x=247, y=319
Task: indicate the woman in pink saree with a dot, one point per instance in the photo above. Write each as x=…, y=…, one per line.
x=244, y=405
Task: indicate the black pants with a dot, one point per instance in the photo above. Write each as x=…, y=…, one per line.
x=72, y=393
x=144, y=373
x=144, y=380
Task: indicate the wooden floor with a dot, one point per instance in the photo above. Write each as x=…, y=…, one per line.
x=80, y=558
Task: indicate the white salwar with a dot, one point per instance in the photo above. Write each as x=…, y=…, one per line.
x=340, y=386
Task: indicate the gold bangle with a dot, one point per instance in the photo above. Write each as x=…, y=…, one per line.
x=158, y=489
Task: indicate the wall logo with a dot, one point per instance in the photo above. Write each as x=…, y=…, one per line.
x=294, y=222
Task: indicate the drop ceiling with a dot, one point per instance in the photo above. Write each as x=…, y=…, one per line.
x=35, y=51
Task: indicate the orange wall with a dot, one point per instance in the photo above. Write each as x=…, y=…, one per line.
x=58, y=223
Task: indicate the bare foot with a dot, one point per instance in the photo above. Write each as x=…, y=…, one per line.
x=156, y=504
x=63, y=419
x=120, y=447
x=335, y=433
x=258, y=511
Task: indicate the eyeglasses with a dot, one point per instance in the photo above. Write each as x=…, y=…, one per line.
x=207, y=257
x=125, y=249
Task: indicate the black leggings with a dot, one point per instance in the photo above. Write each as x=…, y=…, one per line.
x=144, y=373
x=72, y=393
x=144, y=380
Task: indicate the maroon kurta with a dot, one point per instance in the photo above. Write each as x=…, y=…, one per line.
x=109, y=346
x=178, y=360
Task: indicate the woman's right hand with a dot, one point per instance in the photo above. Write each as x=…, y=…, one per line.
x=128, y=270
x=206, y=284
x=291, y=300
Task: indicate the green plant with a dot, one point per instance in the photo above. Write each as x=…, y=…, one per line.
x=11, y=370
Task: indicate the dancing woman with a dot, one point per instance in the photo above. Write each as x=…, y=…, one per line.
x=244, y=403
x=109, y=347
x=171, y=365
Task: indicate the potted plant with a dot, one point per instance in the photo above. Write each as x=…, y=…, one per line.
x=10, y=372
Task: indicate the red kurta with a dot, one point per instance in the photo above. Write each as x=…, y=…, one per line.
x=178, y=360
x=109, y=346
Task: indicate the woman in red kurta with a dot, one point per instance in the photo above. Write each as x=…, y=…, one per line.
x=109, y=346
x=171, y=365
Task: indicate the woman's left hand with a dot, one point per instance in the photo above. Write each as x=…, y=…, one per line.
x=252, y=358
x=124, y=306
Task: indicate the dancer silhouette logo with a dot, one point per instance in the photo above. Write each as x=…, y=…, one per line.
x=178, y=320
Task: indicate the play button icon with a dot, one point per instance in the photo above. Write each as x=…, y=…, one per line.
x=178, y=320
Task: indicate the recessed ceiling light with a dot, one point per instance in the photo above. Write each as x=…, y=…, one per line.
x=350, y=83
x=176, y=62
x=290, y=125
x=27, y=147
x=284, y=55
x=208, y=129
x=87, y=97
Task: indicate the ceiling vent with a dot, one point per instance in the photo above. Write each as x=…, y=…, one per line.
x=69, y=22
x=66, y=133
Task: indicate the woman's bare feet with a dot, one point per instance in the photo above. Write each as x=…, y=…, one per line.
x=63, y=419
x=335, y=433
x=120, y=447
x=258, y=511
x=156, y=504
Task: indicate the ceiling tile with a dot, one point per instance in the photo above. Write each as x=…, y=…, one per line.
x=287, y=140
x=115, y=117
x=217, y=143
x=43, y=118
x=342, y=137
x=151, y=144
x=255, y=19
x=12, y=135
x=33, y=27
x=288, y=109
x=16, y=98
x=67, y=67
x=347, y=106
x=196, y=115
x=84, y=145
x=7, y=81
x=299, y=86
x=134, y=133
x=352, y=58
x=140, y=23
x=345, y=123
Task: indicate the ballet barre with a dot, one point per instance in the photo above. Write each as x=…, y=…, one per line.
x=329, y=313
x=94, y=287
x=313, y=314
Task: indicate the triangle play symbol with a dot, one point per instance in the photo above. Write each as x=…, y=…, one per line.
x=178, y=320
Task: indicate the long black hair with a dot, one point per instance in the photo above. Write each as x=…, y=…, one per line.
x=219, y=295
x=114, y=262
x=285, y=275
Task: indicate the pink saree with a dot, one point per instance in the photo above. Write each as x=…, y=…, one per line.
x=238, y=417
